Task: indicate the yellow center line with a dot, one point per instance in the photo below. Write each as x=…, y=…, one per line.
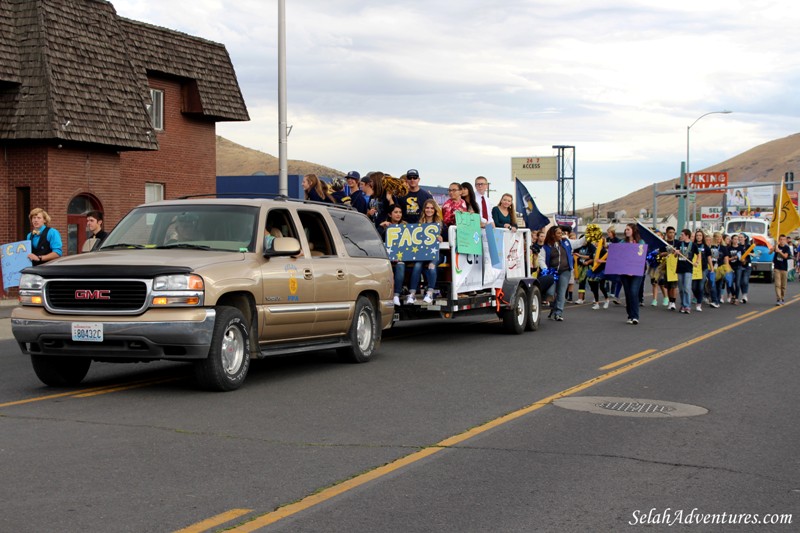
x=91, y=391
x=215, y=521
x=340, y=488
x=128, y=386
x=746, y=315
x=631, y=358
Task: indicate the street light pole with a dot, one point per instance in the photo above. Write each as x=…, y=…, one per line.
x=685, y=178
x=283, y=130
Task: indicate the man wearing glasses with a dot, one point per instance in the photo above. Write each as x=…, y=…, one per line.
x=482, y=197
x=413, y=201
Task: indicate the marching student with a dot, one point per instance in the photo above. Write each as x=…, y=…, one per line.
x=631, y=284
x=557, y=255
x=781, y=262
x=686, y=253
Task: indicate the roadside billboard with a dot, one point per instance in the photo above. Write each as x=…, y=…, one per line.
x=698, y=181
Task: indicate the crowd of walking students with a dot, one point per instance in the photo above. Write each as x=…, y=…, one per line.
x=686, y=271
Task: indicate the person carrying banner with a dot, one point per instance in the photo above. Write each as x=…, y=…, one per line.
x=631, y=283
x=557, y=258
x=781, y=262
x=46, y=242
x=686, y=253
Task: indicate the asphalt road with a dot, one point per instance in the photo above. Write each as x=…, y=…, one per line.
x=451, y=428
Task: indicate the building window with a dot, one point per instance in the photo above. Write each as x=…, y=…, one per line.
x=153, y=192
x=156, y=109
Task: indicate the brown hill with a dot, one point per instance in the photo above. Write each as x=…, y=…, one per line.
x=237, y=160
x=766, y=162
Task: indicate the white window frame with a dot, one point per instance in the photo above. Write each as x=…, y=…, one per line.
x=153, y=192
x=156, y=109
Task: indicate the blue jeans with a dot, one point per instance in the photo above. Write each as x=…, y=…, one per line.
x=685, y=288
x=744, y=284
x=736, y=288
x=561, y=292
x=631, y=286
x=416, y=275
x=712, y=284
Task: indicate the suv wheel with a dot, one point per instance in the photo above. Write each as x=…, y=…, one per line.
x=229, y=356
x=57, y=371
x=364, y=334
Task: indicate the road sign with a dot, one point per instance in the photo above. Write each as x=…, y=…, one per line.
x=698, y=181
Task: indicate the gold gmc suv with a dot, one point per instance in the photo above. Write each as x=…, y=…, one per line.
x=212, y=281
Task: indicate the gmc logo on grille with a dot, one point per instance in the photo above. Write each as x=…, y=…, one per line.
x=99, y=294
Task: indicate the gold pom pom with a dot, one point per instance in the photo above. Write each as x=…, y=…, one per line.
x=594, y=233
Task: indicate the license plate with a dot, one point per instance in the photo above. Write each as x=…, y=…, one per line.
x=87, y=331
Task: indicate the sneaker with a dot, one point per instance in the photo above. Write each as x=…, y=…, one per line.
x=665, y=302
x=722, y=299
x=428, y=298
x=616, y=301
x=579, y=301
x=630, y=321
x=595, y=305
x=715, y=306
x=699, y=307
x=605, y=304
x=635, y=321
x=778, y=302
x=396, y=300
x=783, y=301
x=655, y=302
x=733, y=301
x=411, y=300
x=744, y=299
x=559, y=318
x=672, y=306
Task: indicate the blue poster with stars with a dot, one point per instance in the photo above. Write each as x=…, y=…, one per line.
x=412, y=242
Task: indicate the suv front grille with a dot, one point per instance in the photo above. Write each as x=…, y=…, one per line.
x=96, y=295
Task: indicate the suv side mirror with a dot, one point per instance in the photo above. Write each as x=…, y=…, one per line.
x=280, y=246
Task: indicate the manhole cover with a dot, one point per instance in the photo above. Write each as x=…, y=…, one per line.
x=629, y=407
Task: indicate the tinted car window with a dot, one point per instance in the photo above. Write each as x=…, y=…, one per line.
x=359, y=234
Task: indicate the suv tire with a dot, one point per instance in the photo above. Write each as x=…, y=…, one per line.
x=58, y=371
x=229, y=356
x=364, y=334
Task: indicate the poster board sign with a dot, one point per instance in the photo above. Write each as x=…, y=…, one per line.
x=412, y=242
x=14, y=257
x=626, y=258
x=492, y=276
x=514, y=254
x=468, y=237
x=467, y=273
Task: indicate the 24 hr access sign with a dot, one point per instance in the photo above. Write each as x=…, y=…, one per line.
x=697, y=181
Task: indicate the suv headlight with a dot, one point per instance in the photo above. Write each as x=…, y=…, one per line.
x=178, y=290
x=30, y=289
x=31, y=282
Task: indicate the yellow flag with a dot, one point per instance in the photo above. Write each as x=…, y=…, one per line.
x=784, y=217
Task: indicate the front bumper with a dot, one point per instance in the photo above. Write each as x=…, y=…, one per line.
x=184, y=334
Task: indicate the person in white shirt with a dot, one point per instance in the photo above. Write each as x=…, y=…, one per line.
x=482, y=197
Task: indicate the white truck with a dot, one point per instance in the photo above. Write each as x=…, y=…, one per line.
x=761, y=255
x=469, y=284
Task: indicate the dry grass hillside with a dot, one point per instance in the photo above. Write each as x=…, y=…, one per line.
x=766, y=162
x=237, y=160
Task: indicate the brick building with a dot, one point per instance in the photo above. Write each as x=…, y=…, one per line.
x=101, y=112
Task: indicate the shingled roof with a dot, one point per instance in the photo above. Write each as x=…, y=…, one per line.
x=72, y=70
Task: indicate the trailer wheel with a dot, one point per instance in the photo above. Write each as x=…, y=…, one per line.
x=516, y=317
x=534, y=308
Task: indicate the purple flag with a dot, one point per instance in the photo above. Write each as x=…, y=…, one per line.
x=626, y=258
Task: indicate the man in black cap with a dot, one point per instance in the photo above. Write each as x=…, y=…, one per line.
x=412, y=202
x=357, y=199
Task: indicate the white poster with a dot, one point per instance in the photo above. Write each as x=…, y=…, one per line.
x=514, y=254
x=467, y=273
x=492, y=277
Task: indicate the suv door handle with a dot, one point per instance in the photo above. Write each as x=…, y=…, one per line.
x=340, y=274
x=307, y=273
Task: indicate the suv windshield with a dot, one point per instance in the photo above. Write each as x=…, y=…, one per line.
x=203, y=227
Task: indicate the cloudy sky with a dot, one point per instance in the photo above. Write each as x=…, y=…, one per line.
x=455, y=88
